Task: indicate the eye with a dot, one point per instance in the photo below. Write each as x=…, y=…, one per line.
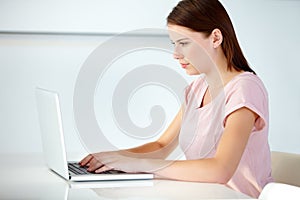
x=183, y=43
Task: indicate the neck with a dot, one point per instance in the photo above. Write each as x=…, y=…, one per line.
x=220, y=75
x=217, y=75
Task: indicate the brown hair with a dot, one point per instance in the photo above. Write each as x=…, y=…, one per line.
x=205, y=16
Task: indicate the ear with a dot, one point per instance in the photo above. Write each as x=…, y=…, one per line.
x=217, y=37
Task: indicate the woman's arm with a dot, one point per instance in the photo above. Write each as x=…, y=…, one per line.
x=218, y=169
x=222, y=166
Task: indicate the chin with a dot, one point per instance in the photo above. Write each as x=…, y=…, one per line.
x=192, y=73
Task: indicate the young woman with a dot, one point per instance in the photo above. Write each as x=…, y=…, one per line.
x=222, y=126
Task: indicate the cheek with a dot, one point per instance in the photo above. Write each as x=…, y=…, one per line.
x=199, y=58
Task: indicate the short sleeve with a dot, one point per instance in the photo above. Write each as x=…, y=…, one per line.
x=248, y=92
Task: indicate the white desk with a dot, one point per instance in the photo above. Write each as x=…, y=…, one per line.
x=26, y=177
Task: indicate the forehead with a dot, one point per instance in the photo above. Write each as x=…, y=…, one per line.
x=179, y=32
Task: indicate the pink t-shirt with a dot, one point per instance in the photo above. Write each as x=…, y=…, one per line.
x=202, y=127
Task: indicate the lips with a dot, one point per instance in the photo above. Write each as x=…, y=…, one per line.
x=184, y=65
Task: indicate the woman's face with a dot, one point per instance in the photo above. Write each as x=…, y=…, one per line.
x=192, y=49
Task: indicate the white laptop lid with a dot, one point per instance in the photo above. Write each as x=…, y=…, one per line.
x=54, y=146
x=52, y=131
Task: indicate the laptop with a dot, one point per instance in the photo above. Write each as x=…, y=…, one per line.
x=54, y=146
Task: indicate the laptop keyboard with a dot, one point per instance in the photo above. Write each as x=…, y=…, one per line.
x=77, y=169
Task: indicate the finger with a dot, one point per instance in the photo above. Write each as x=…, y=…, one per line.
x=85, y=161
x=94, y=165
x=103, y=169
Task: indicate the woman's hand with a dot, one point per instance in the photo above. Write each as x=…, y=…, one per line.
x=117, y=160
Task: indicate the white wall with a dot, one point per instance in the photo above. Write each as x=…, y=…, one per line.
x=268, y=32
x=89, y=16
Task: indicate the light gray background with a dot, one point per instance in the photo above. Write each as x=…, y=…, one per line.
x=268, y=32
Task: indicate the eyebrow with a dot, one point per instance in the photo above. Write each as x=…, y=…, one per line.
x=180, y=40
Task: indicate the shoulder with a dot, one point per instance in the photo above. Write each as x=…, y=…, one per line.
x=247, y=90
x=247, y=84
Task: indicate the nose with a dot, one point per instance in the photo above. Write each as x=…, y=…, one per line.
x=177, y=55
